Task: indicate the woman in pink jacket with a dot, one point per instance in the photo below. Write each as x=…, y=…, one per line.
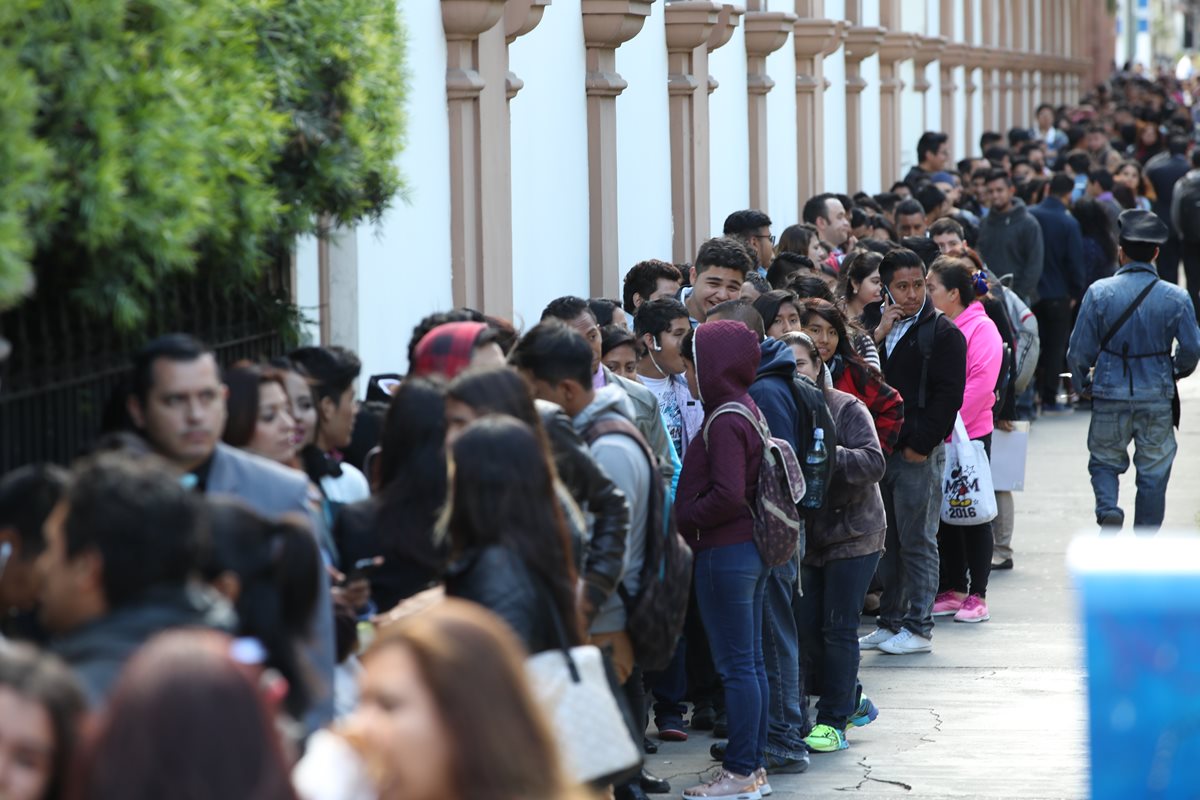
x=953, y=285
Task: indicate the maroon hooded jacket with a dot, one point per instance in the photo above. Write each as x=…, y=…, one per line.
x=719, y=482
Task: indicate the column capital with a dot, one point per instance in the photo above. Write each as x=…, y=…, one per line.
x=898, y=46
x=689, y=24
x=466, y=19
x=814, y=37
x=929, y=49
x=862, y=42
x=521, y=17
x=722, y=32
x=843, y=27
x=611, y=23
x=956, y=54
x=766, y=31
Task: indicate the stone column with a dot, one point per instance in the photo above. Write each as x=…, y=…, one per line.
x=607, y=24
x=955, y=55
x=861, y=43
x=813, y=38
x=766, y=32
x=970, y=62
x=898, y=46
x=929, y=49
x=463, y=21
x=688, y=26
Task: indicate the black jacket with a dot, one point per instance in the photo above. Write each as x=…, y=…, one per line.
x=594, y=492
x=1163, y=173
x=926, y=428
x=497, y=579
x=358, y=537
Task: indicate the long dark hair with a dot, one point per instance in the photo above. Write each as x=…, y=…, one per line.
x=277, y=565
x=496, y=390
x=857, y=267
x=42, y=679
x=228, y=747
x=412, y=472
x=503, y=494
x=862, y=371
x=1095, y=224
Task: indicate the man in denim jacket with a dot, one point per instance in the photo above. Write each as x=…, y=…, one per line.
x=1132, y=375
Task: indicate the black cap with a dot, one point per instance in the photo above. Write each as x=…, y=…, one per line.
x=1142, y=226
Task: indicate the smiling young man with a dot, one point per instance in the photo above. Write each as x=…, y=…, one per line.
x=717, y=275
x=923, y=355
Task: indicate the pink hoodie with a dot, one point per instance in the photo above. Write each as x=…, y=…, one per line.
x=985, y=351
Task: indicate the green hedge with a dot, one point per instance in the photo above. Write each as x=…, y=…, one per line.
x=145, y=139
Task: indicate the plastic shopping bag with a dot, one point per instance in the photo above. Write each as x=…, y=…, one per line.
x=968, y=496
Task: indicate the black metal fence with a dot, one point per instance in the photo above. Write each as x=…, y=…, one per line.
x=63, y=381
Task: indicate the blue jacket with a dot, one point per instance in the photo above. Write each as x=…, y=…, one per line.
x=772, y=391
x=1147, y=371
x=1063, y=272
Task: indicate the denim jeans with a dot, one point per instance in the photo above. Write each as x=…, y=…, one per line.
x=827, y=615
x=781, y=653
x=1114, y=425
x=912, y=495
x=670, y=686
x=730, y=586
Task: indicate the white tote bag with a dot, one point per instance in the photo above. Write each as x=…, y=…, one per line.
x=572, y=687
x=968, y=497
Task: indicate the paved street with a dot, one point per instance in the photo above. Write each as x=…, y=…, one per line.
x=997, y=710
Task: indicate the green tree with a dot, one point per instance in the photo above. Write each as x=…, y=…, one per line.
x=148, y=139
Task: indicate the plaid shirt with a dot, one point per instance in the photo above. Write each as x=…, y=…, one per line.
x=883, y=401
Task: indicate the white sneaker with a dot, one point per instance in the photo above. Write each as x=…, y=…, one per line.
x=906, y=642
x=872, y=640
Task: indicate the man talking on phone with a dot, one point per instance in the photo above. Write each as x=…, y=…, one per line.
x=924, y=356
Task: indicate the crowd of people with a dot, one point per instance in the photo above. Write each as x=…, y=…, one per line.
x=258, y=586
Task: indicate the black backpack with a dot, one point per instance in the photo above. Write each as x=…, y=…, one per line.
x=812, y=413
x=654, y=616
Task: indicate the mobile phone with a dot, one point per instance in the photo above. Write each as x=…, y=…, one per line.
x=888, y=300
x=368, y=564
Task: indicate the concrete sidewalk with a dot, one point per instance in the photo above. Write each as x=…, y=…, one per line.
x=997, y=710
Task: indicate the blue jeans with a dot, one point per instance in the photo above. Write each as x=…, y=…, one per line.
x=908, y=570
x=827, y=617
x=670, y=686
x=781, y=654
x=1114, y=425
x=730, y=585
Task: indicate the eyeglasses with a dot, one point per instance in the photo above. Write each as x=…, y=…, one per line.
x=770, y=237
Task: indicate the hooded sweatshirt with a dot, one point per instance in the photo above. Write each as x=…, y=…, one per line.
x=719, y=482
x=985, y=356
x=1011, y=244
x=624, y=460
x=772, y=390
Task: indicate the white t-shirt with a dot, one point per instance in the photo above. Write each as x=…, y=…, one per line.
x=682, y=413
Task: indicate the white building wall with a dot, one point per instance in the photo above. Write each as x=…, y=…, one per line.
x=933, y=98
x=729, y=138
x=781, y=138
x=644, y=147
x=404, y=262
x=835, y=110
x=977, y=105
x=912, y=110
x=549, y=163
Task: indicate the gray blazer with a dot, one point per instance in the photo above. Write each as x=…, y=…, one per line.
x=273, y=490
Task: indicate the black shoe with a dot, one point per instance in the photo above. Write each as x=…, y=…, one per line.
x=1111, y=519
x=703, y=718
x=652, y=784
x=717, y=751
x=649, y=747
x=786, y=766
x=721, y=726
x=630, y=791
x=1005, y=564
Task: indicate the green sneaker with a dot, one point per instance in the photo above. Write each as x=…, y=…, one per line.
x=865, y=714
x=825, y=739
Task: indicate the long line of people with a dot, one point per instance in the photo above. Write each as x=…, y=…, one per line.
x=342, y=616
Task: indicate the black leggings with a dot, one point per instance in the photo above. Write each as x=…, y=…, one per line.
x=963, y=549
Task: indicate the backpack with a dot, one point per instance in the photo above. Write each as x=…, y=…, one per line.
x=780, y=488
x=812, y=413
x=1025, y=330
x=654, y=616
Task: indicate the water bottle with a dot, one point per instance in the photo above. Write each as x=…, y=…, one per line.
x=815, y=471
